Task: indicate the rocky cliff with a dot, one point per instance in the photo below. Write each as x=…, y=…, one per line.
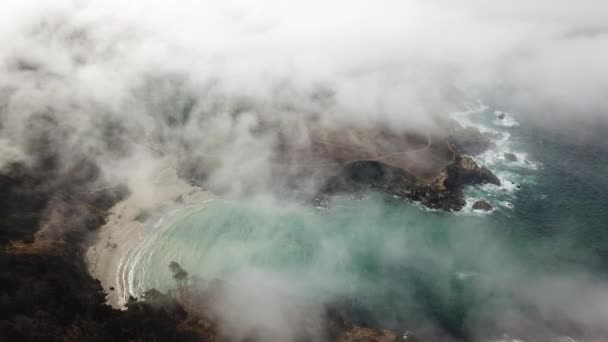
x=443, y=191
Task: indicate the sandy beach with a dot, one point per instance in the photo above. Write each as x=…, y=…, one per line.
x=127, y=226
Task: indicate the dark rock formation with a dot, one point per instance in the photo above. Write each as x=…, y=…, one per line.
x=482, y=205
x=510, y=156
x=500, y=116
x=465, y=171
x=444, y=191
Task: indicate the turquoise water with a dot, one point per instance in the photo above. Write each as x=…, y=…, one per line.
x=368, y=250
x=398, y=265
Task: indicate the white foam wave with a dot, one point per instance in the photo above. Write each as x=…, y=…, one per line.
x=504, y=159
x=464, y=117
x=134, y=266
x=466, y=275
x=507, y=204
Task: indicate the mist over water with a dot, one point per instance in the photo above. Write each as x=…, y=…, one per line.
x=196, y=93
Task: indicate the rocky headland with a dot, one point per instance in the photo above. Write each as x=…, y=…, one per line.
x=426, y=169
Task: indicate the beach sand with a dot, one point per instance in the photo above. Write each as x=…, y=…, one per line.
x=127, y=226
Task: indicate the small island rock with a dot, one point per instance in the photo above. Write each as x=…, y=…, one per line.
x=510, y=156
x=482, y=205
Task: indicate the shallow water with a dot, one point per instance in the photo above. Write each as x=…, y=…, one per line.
x=397, y=264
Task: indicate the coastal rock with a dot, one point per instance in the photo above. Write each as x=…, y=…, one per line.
x=500, y=116
x=469, y=140
x=482, y=205
x=443, y=191
x=464, y=171
x=510, y=156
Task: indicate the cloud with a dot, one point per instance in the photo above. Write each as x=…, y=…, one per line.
x=142, y=87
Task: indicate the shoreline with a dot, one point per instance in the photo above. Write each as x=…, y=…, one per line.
x=126, y=227
x=114, y=240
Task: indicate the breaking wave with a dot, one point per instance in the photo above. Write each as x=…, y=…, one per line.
x=506, y=158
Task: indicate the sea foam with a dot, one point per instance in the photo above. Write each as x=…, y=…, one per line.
x=499, y=126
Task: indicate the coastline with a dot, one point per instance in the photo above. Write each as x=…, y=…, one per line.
x=114, y=240
x=127, y=225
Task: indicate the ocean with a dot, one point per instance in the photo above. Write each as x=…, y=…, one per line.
x=533, y=266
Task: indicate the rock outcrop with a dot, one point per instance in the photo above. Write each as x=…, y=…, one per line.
x=444, y=191
x=482, y=205
x=465, y=171
x=510, y=156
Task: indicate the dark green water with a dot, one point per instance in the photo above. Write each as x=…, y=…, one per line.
x=398, y=265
